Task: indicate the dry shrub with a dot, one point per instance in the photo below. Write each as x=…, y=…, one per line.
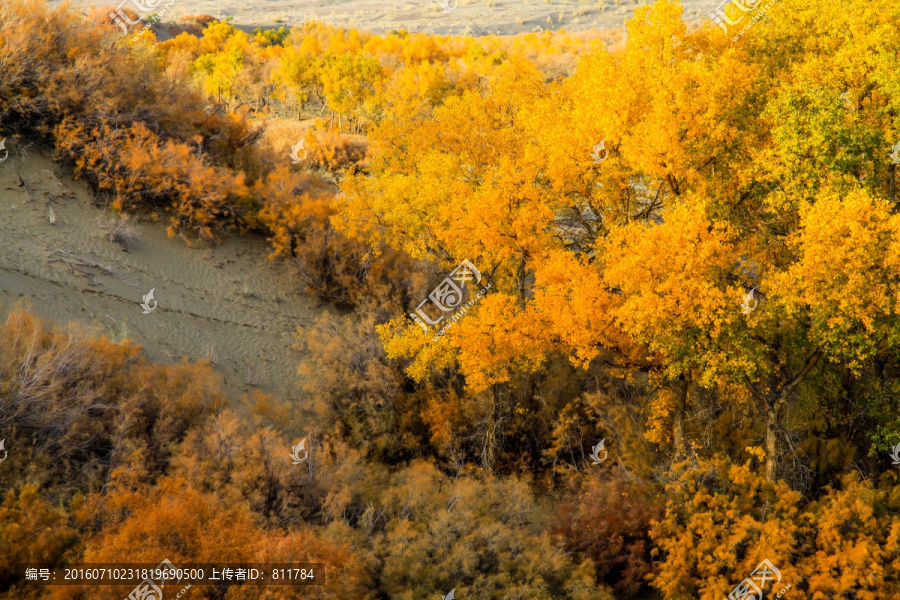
x=197, y=526
x=203, y=20
x=140, y=171
x=32, y=530
x=324, y=148
x=608, y=520
x=297, y=211
x=78, y=406
x=352, y=387
x=336, y=152
x=121, y=231
x=193, y=24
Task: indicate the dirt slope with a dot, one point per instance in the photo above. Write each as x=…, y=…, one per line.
x=225, y=302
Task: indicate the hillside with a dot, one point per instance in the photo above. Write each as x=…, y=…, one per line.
x=468, y=17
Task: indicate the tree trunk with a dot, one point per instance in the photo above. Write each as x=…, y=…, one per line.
x=893, y=171
x=490, y=435
x=681, y=394
x=774, y=403
x=771, y=443
x=520, y=280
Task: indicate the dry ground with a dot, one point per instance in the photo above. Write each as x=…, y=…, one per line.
x=472, y=17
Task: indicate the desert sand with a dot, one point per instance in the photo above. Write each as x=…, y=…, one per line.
x=471, y=17
x=224, y=302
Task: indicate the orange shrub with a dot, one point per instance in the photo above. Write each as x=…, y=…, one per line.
x=140, y=170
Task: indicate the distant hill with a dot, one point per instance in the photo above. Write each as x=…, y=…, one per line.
x=470, y=17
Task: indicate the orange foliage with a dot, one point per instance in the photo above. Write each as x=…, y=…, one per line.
x=139, y=170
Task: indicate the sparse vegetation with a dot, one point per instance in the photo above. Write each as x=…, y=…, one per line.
x=121, y=231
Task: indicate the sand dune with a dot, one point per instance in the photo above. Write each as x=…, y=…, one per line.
x=472, y=17
x=225, y=302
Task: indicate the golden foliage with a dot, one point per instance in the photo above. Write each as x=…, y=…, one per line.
x=616, y=283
